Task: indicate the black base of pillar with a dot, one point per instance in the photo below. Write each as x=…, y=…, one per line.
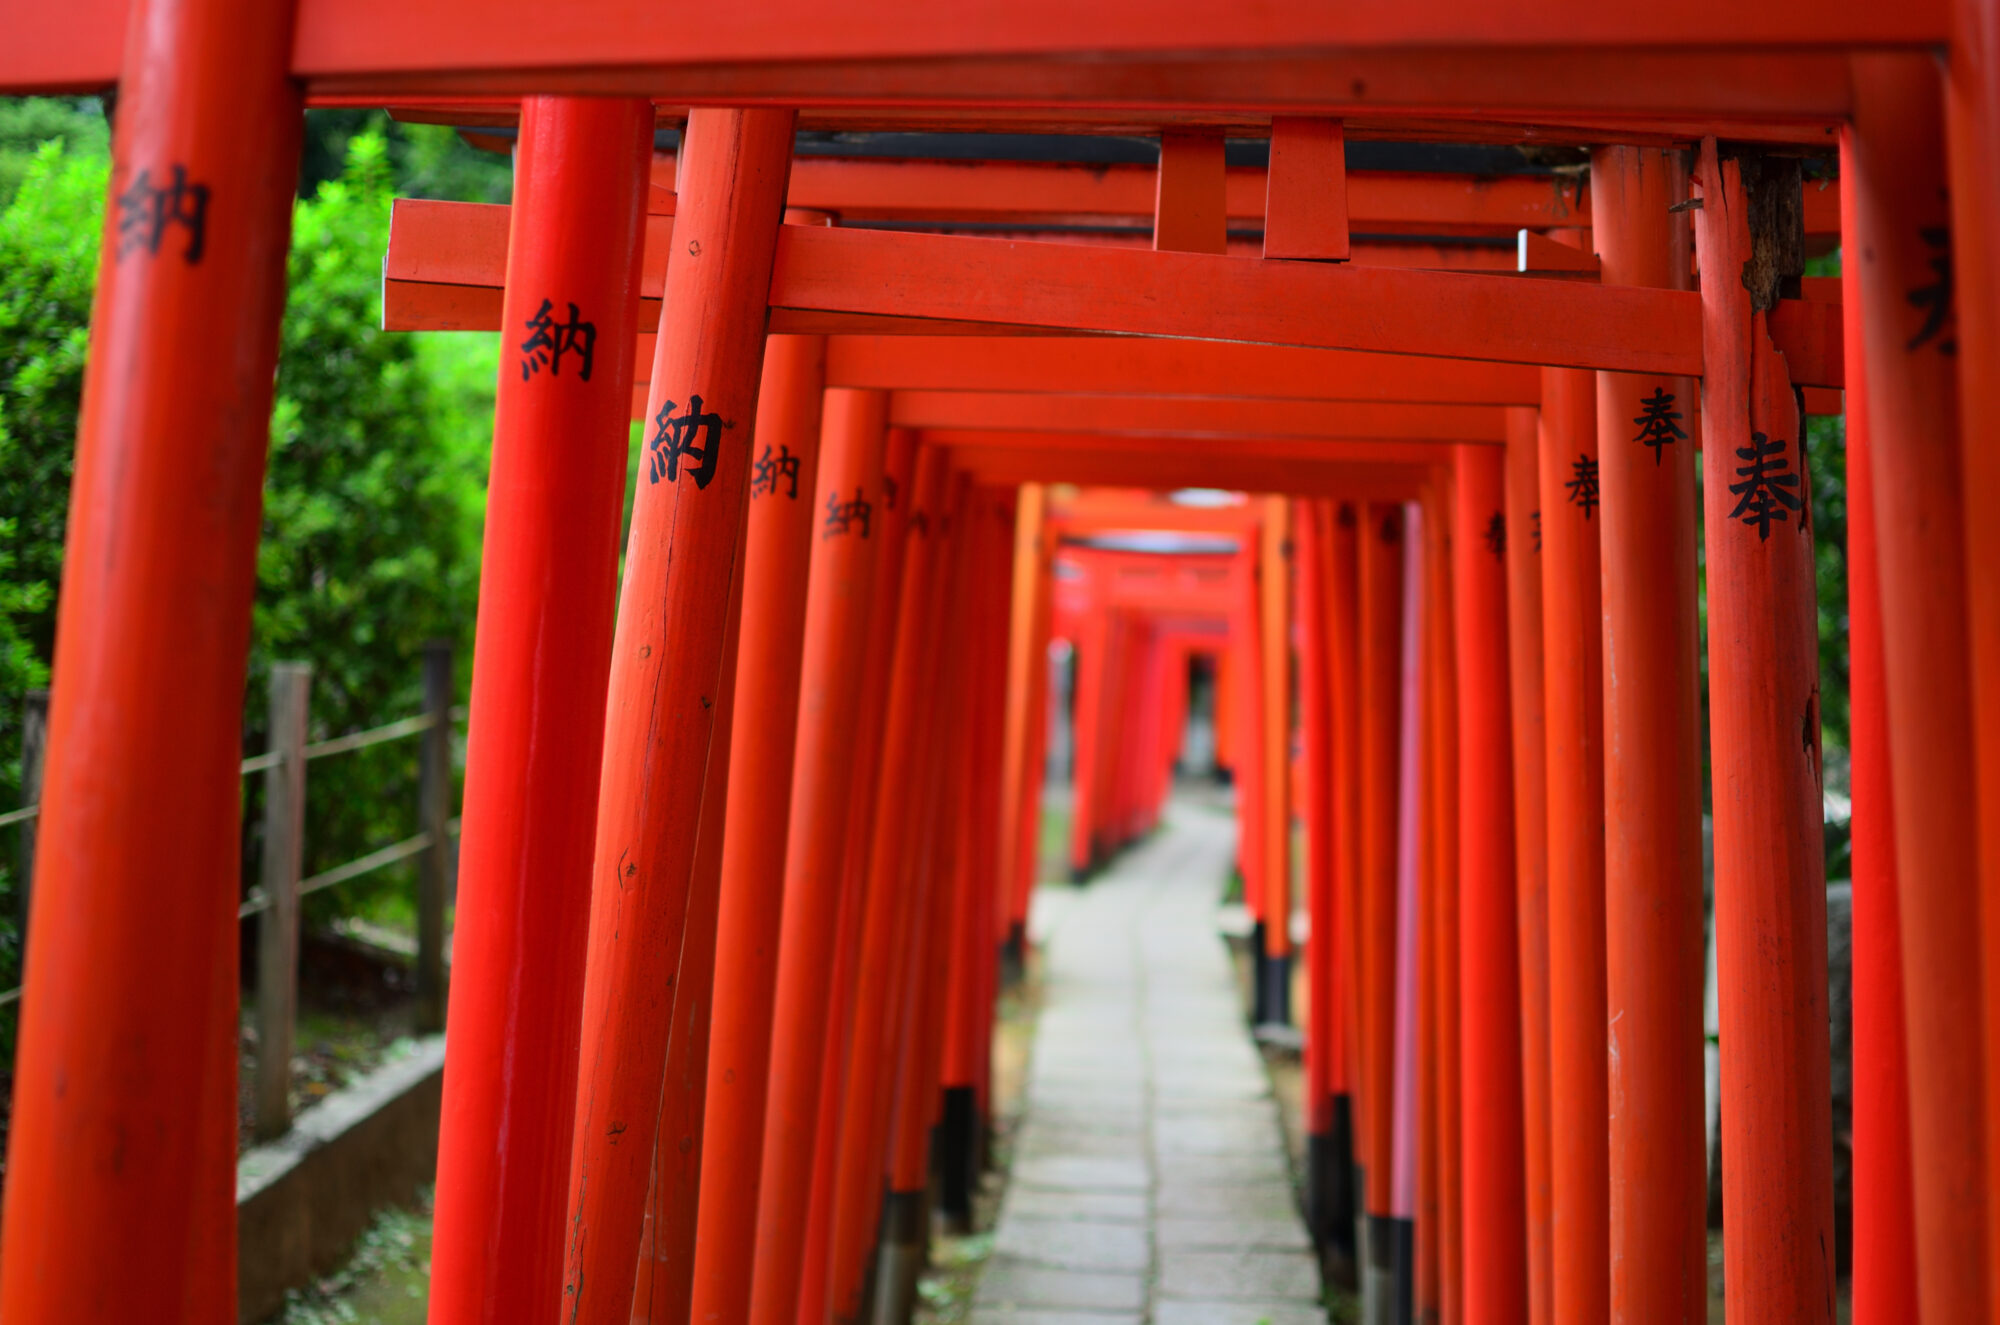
x=1260, y=983
x=1330, y=1194
x=900, y=1262
x=1014, y=956
x=1277, y=1000
x=957, y=1156
x=1403, y=1235
x=1378, y=1271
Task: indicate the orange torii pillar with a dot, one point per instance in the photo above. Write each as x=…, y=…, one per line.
x=1489, y=989
x=1573, y=662
x=1884, y=1281
x=783, y=521
x=664, y=1275
x=977, y=920
x=1770, y=871
x=1652, y=782
x=1274, y=597
x=1342, y=608
x=1895, y=167
x=1246, y=672
x=1410, y=804
x=1027, y=665
x=666, y=671
x=1325, y=1054
x=1380, y=692
x=555, y=499
x=125, y=1087
x=1531, y=838
x=1441, y=808
x=833, y=1002
x=890, y=894
x=916, y=1012
x=1093, y=678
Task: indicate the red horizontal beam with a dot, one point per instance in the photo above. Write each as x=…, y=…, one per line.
x=1169, y=470
x=1130, y=365
x=1218, y=452
x=1207, y=422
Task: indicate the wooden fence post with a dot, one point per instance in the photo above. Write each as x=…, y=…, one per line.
x=434, y=813
x=278, y=926
x=34, y=745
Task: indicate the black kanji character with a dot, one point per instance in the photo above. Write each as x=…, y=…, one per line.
x=677, y=437
x=1935, y=298
x=1583, y=488
x=1660, y=423
x=1344, y=517
x=888, y=492
x=145, y=212
x=841, y=516
x=1762, y=497
x=1536, y=517
x=1496, y=534
x=770, y=469
x=549, y=340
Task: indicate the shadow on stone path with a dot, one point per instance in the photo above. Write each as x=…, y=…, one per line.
x=1149, y=1180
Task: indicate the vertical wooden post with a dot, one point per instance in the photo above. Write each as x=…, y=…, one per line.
x=1763, y=669
x=1489, y=990
x=1343, y=679
x=1380, y=701
x=890, y=894
x=34, y=752
x=1190, y=203
x=664, y=1275
x=278, y=879
x=785, y=516
x=1573, y=662
x=1972, y=106
x=1093, y=677
x=1305, y=200
x=1531, y=838
x=1410, y=804
x=1652, y=781
x=1901, y=235
x=1275, y=617
x=845, y=604
x=1323, y=1049
x=125, y=1089
x=1441, y=740
x=666, y=675
x=1020, y=784
x=434, y=815
x=863, y=766
x=1885, y=1220
x=535, y=741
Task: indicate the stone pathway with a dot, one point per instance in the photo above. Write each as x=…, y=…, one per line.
x=1150, y=1183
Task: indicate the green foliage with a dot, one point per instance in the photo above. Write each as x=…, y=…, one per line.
x=76, y=123
x=373, y=499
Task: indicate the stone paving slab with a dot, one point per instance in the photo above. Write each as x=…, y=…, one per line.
x=1150, y=1182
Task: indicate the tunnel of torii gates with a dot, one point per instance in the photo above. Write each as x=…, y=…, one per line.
x=863, y=384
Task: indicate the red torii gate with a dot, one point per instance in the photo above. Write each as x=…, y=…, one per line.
x=168, y=437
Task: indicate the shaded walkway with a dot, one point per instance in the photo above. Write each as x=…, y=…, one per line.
x=1150, y=1182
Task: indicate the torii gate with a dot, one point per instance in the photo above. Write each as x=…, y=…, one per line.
x=165, y=515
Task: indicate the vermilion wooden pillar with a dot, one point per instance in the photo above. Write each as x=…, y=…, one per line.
x=1018, y=782
x=1572, y=661
x=1901, y=234
x=1093, y=677
x=125, y=1088
x=1884, y=1283
x=1531, y=837
x=1324, y=1066
x=1441, y=752
x=888, y=896
x=1770, y=871
x=1489, y=980
x=1246, y=644
x=864, y=760
x=1380, y=690
x=554, y=502
x=664, y=1276
x=785, y=520
x=1972, y=103
x=1034, y=771
x=1410, y=880
x=1343, y=673
x=758, y=1270
x=1652, y=780
x=665, y=673
x=1275, y=617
